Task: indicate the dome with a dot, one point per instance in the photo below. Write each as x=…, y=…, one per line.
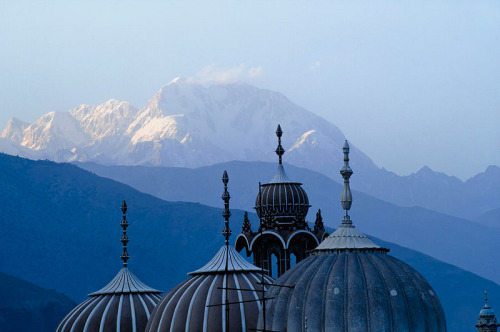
x=349, y=283
x=353, y=290
x=125, y=304
x=225, y=293
x=486, y=312
x=282, y=198
x=197, y=304
x=487, y=318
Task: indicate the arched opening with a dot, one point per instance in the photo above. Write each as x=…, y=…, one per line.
x=293, y=259
x=274, y=268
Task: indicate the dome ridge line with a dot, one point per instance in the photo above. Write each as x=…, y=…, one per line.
x=398, y=282
x=404, y=267
x=365, y=293
x=376, y=268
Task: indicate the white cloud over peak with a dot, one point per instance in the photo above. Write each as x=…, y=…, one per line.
x=213, y=74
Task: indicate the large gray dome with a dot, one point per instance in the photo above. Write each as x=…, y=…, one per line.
x=353, y=291
x=350, y=284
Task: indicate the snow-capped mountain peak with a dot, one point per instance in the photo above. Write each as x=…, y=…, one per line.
x=109, y=119
x=54, y=131
x=14, y=130
x=186, y=124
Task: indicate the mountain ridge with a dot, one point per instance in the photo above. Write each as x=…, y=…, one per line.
x=62, y=217
x=427, y=231
x=187, y=124
x=25, y=306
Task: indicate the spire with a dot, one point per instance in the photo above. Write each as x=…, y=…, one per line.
x=226, y=213
x=279, y=150
x=247, y=226
x=486, y=299
x=125, y=256
x=346, y=198
x=318, y=224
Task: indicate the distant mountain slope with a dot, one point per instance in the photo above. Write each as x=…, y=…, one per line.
x=457, y=241
x=440, y=192
x=490, y=218
x=27, y=307
x=191, y=125
x=60, y=228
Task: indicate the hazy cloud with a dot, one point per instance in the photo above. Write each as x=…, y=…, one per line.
x=315, y=65
x=213, y=74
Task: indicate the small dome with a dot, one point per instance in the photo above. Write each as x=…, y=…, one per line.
x=125, y=304
x=197, y=304
x=485, y=312
x=487, y=318
x=282, y=198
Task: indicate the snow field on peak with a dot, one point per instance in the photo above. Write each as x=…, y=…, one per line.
x=186, y=124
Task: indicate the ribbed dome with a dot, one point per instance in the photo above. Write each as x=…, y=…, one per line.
x=353, y=290
x=186, y=307
x=282, y=198
x=348, y=283
x=347, y=237
x=125, y=304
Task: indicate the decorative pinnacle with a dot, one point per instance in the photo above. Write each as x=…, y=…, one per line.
x=318, y=224
x=279, y=150
x=125, y=256
x=246, y=227
x=346, y=198
x=485, y=299
x=226, y=213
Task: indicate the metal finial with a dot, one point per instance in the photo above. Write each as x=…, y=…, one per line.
x=125, y=256
x=346, y=198
x=279, y=150
x=226, y=213
x=485, y=298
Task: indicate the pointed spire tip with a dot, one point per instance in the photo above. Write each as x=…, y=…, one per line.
x=279, y=150
x=124, y=223
x=226, y=232
x=279, y=132
x=225, y=177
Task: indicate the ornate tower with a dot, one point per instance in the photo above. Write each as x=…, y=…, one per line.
x=283, y=235
x=486, y=321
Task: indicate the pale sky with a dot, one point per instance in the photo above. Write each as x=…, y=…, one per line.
x=411, y=83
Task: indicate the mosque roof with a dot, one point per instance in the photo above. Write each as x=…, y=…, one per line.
x=235, y=263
